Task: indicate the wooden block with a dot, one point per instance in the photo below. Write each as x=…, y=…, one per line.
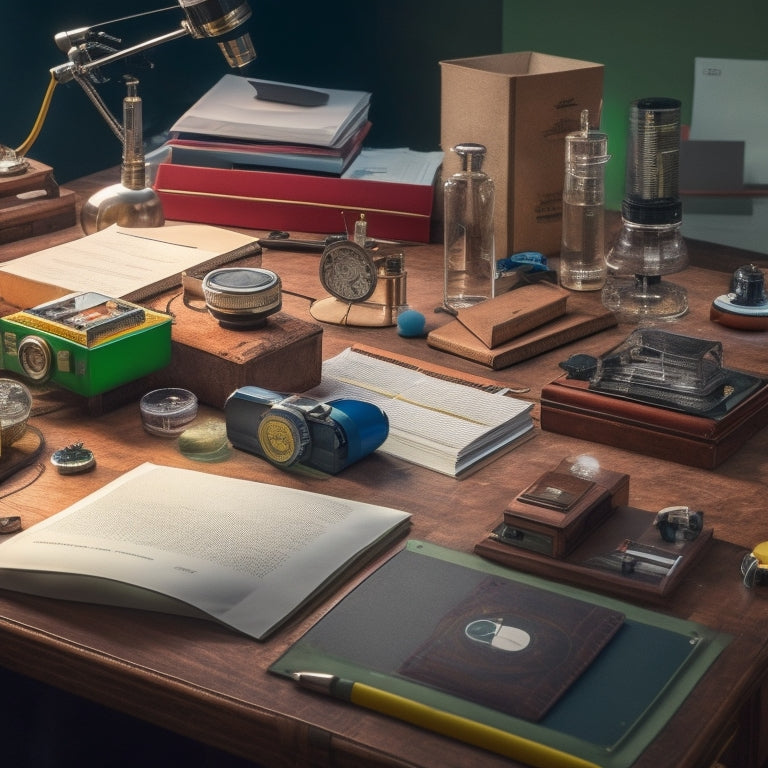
x=512, y=314
x=569, y=407
x=285, y=355
x=21, y=218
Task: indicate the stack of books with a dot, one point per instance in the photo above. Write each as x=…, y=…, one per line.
x=241, y=123
x=267, y=155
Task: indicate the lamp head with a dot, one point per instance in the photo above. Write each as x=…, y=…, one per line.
x=221, y=20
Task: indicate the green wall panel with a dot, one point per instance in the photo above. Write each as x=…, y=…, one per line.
x=648, y=49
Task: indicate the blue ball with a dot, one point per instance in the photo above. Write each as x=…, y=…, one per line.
x=410, y=323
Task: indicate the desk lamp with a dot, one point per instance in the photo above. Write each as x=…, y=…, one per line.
x=650, y=245
x=131, y=202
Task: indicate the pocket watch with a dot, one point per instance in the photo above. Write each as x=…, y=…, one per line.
x=347, y=271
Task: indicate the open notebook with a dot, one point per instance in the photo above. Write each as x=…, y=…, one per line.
x=225, y=550
x=436, y=420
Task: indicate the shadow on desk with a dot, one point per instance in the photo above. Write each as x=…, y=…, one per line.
x=48, y=728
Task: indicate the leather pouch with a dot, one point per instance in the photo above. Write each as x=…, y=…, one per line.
x=513, y=647
x=514, y=313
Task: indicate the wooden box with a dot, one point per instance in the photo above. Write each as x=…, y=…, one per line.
x=285, y=355
x=625, y=526
x=569, y=407
x=557, y=512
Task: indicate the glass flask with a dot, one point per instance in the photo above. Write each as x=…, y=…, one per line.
x=470, y=269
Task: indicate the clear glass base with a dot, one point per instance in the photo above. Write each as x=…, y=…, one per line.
x=643, y=298
x=581, y=276
x=463, y=302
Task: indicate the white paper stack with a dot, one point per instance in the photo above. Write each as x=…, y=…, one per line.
x=231, y=110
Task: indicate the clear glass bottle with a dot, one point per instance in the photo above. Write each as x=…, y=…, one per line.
x=582, y=253
x=470, y=264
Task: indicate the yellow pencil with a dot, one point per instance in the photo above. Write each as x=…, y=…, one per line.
x=461, y=728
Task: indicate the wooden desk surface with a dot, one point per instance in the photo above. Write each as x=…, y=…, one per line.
x=209, y=683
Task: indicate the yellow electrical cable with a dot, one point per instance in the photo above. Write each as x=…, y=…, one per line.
x=37, y=127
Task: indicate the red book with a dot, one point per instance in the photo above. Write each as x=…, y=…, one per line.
x=294, y=202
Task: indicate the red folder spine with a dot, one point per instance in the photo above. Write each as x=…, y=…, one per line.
x=290, y=201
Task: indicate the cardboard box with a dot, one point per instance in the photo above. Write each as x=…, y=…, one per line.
x=520, y=106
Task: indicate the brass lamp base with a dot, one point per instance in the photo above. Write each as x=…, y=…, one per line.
x=119, y=204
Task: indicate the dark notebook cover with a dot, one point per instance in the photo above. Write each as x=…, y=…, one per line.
x=370, y=634
x=513, y=647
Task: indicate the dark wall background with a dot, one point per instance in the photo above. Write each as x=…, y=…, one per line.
x=391, y=48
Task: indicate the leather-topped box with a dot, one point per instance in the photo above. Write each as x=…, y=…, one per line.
x=558, y=511
x=569, y=407
x=284, y=355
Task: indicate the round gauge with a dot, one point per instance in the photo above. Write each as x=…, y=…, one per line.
x=283, y=436
x=347, y=271
x=35, y=358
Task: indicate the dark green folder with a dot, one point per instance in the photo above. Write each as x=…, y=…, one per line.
x=609, y=714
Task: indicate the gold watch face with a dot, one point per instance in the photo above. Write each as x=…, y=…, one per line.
x=347, y=271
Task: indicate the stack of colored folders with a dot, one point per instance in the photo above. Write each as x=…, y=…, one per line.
x=268, y=155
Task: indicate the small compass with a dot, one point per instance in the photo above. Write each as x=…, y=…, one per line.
x=347, y=271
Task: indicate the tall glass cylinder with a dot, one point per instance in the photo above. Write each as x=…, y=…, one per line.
x=650, y=245
x=470, y=264
x=582, y=252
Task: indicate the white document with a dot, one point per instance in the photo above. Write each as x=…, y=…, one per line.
x=438, y=424
x=399, y=165
x=128, y=263
x=244, y=553
x=230, y=110
x=730, y=102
